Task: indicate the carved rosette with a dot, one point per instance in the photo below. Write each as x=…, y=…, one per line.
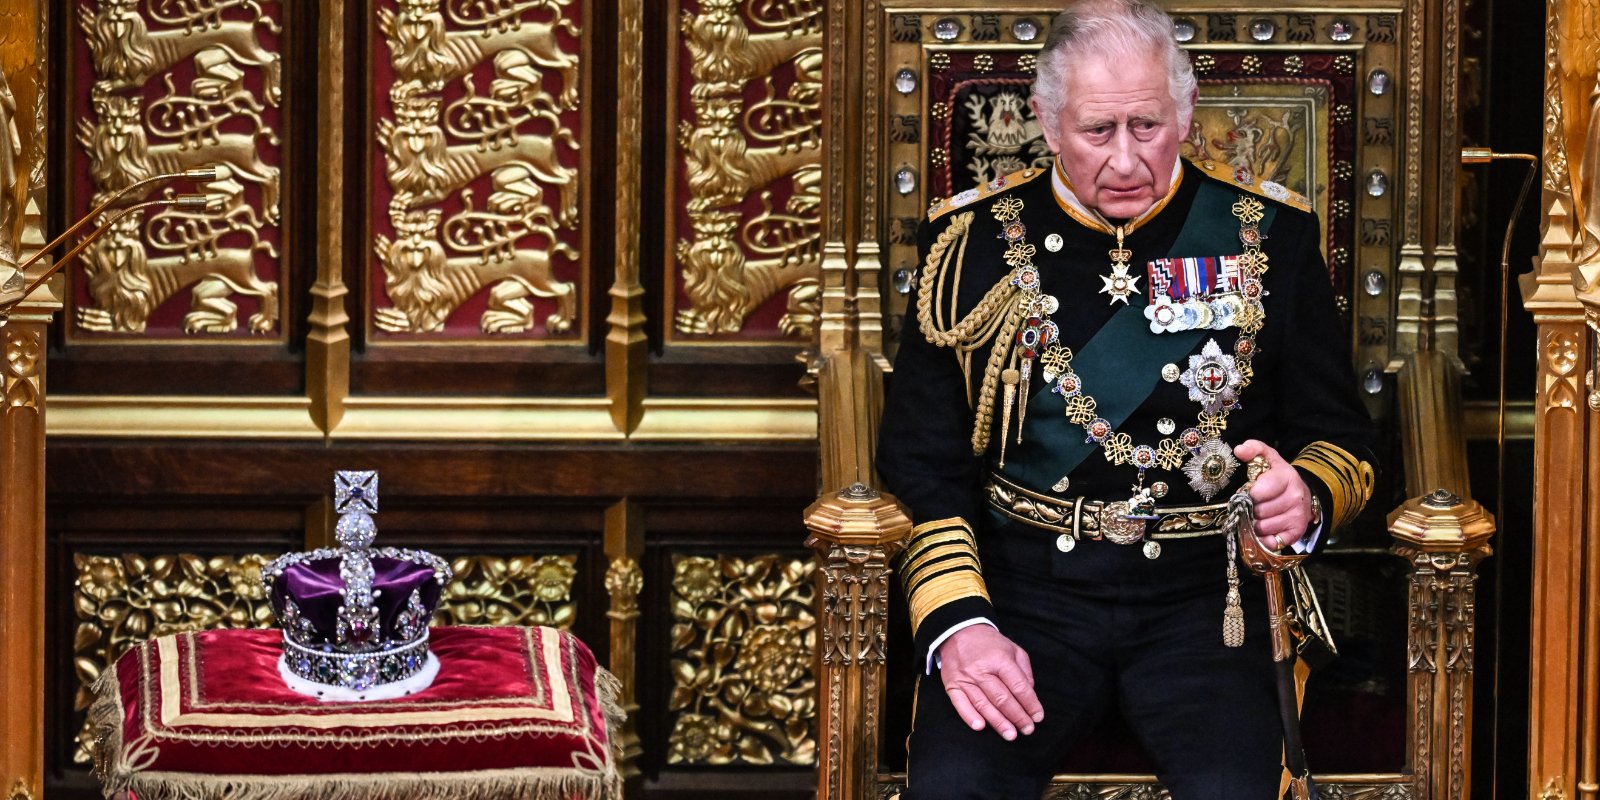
x=476, y=210
x=124, y=600
x=174, y=87
x=749, y=178
x=743, y=635
x=516, y=590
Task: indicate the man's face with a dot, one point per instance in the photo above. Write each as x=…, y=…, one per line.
x=1118, y=133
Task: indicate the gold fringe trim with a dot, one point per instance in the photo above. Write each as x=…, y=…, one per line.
x=118, y=776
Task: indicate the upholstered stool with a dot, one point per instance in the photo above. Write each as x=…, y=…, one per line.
x=514, y=713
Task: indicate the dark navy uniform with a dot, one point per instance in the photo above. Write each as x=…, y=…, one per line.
x=1105, y=624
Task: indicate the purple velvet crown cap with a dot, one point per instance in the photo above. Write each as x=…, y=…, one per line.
x=355, y=617
x=317, y=590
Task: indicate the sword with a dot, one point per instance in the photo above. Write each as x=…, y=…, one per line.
x=1270, y=566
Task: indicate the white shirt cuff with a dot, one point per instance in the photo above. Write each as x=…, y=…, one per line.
x=1308, y=542
x=933, y=649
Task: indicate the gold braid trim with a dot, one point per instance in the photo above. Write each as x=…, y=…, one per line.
x=1349, y=479
x=966, y=332
x=985, y=323
x=948, y=580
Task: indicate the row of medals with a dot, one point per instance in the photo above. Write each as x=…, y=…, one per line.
x=1213, y=378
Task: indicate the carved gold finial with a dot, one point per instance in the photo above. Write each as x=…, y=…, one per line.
x=20, y=791
x=1442, y=522
x=1442, y=498
x=857, y=515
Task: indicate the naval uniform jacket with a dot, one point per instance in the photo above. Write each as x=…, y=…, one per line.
x=1302, y=399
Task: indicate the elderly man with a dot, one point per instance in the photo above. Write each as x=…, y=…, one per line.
x=1093, y=351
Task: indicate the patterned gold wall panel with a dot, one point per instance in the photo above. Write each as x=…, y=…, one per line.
x=122, y=601
x=519, y=590
x=478, y=175
x=1306, y=99
x=743, y=641
x=165, y=86
x=745, y=201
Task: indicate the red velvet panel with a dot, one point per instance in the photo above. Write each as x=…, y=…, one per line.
x=505, y=699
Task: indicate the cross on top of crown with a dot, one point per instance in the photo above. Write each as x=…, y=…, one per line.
x=355, y=490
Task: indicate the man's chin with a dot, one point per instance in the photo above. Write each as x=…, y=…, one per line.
x=1116, y=205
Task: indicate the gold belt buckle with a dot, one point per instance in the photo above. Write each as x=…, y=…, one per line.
x=1115, y=525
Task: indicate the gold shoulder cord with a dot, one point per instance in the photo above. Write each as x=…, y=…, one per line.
x=995, y=318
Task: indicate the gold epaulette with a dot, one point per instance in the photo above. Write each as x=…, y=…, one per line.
x=941, y=207
x=1252, y=183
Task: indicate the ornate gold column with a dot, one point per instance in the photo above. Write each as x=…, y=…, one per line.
x=328, y=343
x=1587, y=280
x=627, y=348
x=855, y=533
x=1425, y=357
x=1563, y=642
x=22, y=551
x=22, y=568
x=624, y=546
x=1444, y=537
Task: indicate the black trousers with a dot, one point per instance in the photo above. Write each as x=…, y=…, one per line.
x=1107, y=628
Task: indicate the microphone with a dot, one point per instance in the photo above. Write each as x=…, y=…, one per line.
x=201, y=201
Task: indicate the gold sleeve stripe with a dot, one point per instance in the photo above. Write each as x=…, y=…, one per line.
x=942, y=589
x=940, y=566
x=1349, y=479
x=927, y=570
x=932, y=545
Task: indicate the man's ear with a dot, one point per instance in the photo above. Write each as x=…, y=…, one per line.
x=1049, y=124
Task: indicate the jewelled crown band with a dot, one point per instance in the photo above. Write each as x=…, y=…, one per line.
x=355, y=618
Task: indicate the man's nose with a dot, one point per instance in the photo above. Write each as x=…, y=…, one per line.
x=1122, y=152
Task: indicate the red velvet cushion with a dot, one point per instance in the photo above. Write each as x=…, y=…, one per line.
x=514, y=712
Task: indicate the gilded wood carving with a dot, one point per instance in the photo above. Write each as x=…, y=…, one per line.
x=480, y=151
x=519, y=590
x=24, y=351
x=124, y=600
x=743, y=635
x=749, y=138
x=179, y=86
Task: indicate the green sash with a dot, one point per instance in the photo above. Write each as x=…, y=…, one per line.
x=1120, y=365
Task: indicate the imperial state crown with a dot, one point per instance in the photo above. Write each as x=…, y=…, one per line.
x=355, y=617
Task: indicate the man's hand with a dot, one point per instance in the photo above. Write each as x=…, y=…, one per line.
x=1283, y=501
x=989, y=681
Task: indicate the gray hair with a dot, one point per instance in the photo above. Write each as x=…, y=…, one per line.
x=1109, y=28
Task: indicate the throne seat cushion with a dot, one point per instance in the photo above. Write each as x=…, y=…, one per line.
x=513, y=713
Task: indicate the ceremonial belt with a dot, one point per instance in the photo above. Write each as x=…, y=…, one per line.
x=1082, y=518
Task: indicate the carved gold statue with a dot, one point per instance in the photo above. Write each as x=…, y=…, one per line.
x=1588, y=237
x=13, y=195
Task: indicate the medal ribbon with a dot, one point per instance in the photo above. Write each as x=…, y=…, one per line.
x=1121, y=364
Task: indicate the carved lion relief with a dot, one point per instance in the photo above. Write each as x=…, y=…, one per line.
x=483, y=105
x=174, y=89
x=749, y=138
